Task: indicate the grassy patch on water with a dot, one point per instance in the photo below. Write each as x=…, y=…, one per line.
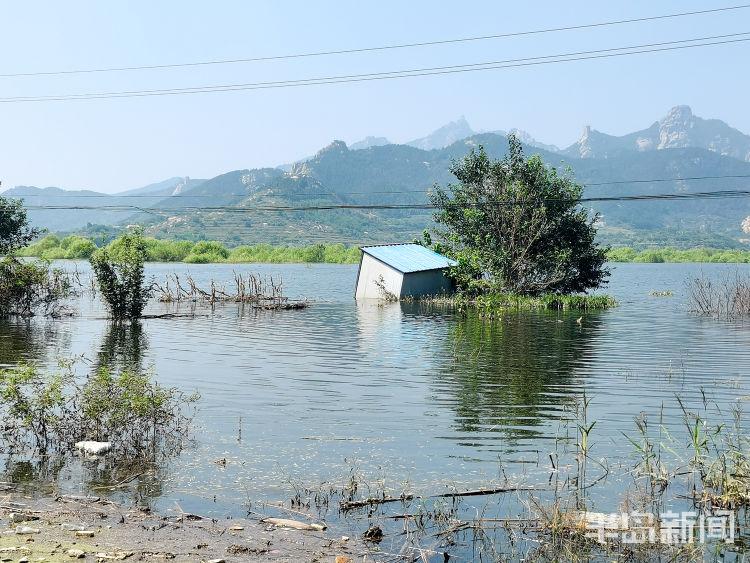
x=74, y=247
x=496, y=302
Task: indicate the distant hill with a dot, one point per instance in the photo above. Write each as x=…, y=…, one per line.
x=234, y=207
x=403, y=175
x=44, y=203
x=171, y=186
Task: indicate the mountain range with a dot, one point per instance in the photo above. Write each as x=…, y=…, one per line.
x=233, y=207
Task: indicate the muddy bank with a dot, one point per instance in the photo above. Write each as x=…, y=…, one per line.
x=92, y=529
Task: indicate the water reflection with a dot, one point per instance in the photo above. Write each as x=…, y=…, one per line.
x=515, y=374
x=31, y=474
x=28, y=340
x=122, y=348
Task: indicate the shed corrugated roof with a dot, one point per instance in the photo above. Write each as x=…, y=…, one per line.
x=407, y=258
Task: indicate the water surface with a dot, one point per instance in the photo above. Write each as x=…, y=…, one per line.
x=403, y=392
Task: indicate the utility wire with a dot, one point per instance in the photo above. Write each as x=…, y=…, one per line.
x=376, y=192
x=408, y=73
x=720, y=194
x=378, y=48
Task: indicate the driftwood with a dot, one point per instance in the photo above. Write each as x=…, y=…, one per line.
x=353, y=504
x=481, y=492
x=294, y=524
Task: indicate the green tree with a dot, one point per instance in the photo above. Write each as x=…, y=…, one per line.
x=121, y=278
x=15, y=231
x=516, y=225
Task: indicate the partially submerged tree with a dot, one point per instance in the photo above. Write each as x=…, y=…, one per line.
x=120, y=277
x=515, y=225
x=15, y=231
x=25, y=287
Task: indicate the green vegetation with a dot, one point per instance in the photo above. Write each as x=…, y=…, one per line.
x=74, y=247
x=42, y=411
x=120, y=278
x=490, y=304
x=28, y=287
x=515, y=225
x=53, y=247
x=25, y=287
x=669, y=254
x=15, y=232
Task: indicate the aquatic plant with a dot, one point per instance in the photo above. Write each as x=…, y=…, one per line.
x=48, y=412
x=120, y=277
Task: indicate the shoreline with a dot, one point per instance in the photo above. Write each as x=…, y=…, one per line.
x=69, y=528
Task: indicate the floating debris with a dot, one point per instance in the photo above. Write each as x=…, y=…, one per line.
x=91, y=447
x=294, y=524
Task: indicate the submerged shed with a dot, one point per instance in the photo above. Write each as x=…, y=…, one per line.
x=402, y=270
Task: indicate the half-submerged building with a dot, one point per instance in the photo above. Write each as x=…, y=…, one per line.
x=402, y=270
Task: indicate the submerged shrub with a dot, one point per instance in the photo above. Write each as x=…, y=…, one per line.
x=727, y=297
x=120, y=276
x=30, y=287
x=44, y=412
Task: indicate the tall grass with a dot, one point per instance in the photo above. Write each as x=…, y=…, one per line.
x=74, y=247
x=492, y=303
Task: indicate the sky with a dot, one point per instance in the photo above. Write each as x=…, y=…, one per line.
x=111, y=145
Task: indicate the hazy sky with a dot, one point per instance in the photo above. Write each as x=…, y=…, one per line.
x=116, y=144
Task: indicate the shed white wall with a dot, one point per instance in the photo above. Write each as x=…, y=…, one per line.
x=429, y=282
x=370, y=270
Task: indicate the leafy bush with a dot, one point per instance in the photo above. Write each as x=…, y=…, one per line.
x=168, y=250
x=52, y=247
x=54, y=411
x=27, y=287
x=205, y=252
x=77, y=248
x=120, y=276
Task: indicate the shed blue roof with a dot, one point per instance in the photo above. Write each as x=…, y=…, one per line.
x=407, y=258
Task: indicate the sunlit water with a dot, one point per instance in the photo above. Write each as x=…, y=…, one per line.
x=403, y=392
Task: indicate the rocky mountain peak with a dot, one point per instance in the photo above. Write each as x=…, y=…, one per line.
x=333, y=148
x=369, y=142
x=445, y=135
x=678, y=114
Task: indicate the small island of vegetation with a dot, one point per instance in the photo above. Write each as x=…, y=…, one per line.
x=518, y=234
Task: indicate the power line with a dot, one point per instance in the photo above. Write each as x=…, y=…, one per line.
x=377, y=48
x=720, y=194
x=408, y=73
x=375, y=192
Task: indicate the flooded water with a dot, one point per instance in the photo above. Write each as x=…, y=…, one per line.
x=403, y=392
